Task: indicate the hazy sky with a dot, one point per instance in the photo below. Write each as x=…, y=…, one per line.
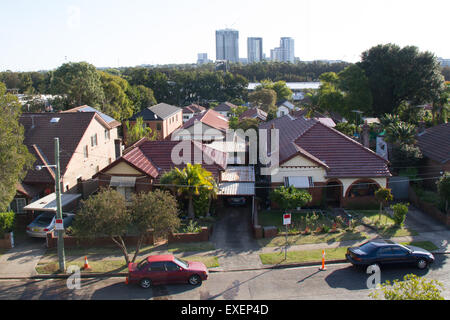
x=43, y=34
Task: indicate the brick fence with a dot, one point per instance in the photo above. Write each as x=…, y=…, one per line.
x=202, y=236
x=7, y=242
x=428, y=208
x=52, y=241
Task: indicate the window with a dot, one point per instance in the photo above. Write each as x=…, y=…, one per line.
x=18, y=204
x=86, y=151
x=399, y=251
x=158, y=126
x=386, y=251
x=127, y=192
x=107, y=135
x=94, y=140
x=176, y=117
x=170, y=266
x=157, y=266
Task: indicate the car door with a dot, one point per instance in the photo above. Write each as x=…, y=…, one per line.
x=156, y=272
x=175, y=274
x=400, y=255
x=384, y=255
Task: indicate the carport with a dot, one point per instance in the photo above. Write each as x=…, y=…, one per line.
x=238, y=181
x=48, y=203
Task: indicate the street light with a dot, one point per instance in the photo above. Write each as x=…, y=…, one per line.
x=60, y=232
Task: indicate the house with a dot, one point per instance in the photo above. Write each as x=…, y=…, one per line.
x=88, y=143
x=434, y=143
x=284, y=108
x=142, y=166
x=334, y=168
x=192, y=111
x=225, y=108
x=328, y=121
x=161, y=118
x=208, y=126
x=254, y=113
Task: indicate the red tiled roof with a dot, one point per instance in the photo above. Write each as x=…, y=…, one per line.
x=193, y=108
x=338, y=154
x=211, y=118
x=254, y=113
x=226, y=106
x=154, y=158
x=39, y=138
x=435, y=143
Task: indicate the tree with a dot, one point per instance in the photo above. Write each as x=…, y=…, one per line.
x=138, y=131
x=401, y=74
x=80, y=81
x=115, y=100
x=400, y=133
x=383, y=195
x=354, y=84
x=400, y=212
x=281, y=89
x=189, y=181
x=444, y=189
x=104, y=215
x=157, y=210
x=330, y=97
x=15, y=159
x=290, y=198
x=313, y=104
x=412, y=287
x=265, y=99
x=141, y=97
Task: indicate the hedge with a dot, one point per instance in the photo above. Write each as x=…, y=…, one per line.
x=6, y=222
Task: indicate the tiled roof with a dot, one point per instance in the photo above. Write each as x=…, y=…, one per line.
x=164, y=110
x=39, y=138
x=226, y=106
x=338, y=154
x=154, y=158
x=435, y=143
x=193, y=108
x=211, y=118
x=254, y=113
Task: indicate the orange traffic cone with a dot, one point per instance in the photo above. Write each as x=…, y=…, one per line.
x=323, y=262
x=86, y=264
x=126, y=280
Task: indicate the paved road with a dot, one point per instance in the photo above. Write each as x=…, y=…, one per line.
x=339, y=282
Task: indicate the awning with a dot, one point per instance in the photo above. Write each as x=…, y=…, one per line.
x=125, y=182
x=237, y=189
x=239, y=174
x=48, y=203
x=299, y=182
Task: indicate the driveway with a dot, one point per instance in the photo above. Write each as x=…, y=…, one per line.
x=21, y=260
x=233, y=239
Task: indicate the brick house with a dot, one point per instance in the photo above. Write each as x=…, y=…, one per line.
x=142, y=166
x=334, y=168
x=434, y=143
x=88, y=143
x=161, y=118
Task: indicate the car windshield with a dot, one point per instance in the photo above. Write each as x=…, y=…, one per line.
x=44, y=219
x=142, y=263
x=182, y=263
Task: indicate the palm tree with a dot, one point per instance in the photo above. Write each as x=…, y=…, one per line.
x=189, y=181
x=313, y=105
x=400, y=133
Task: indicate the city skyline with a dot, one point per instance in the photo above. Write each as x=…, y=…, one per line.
x=44, y=35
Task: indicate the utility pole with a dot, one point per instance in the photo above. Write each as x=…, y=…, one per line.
x=61, y=255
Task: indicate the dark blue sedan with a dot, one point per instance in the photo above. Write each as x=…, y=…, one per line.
x=386, y=252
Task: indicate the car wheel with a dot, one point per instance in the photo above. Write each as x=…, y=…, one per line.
x=195, y=280
x=145, y=283
x=422, y=264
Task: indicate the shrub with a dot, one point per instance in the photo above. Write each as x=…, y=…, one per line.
x=6, y=223
x=192, y=227
x=325, y=229
x=400, y=211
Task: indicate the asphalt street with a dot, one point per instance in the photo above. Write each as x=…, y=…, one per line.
x=338, y=282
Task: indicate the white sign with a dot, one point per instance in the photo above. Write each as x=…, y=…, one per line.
x=59, y=224
x=286, y=219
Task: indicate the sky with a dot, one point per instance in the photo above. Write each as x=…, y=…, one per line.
x=44, y=34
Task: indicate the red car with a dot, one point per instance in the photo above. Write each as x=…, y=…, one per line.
x=166, y=269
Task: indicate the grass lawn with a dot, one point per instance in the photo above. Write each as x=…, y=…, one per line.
x=385, y=226
x=303, y=256
x=112, y=266
x=275, y=218
x=312, y=238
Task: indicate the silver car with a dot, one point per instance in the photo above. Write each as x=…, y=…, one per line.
x=45, y=223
